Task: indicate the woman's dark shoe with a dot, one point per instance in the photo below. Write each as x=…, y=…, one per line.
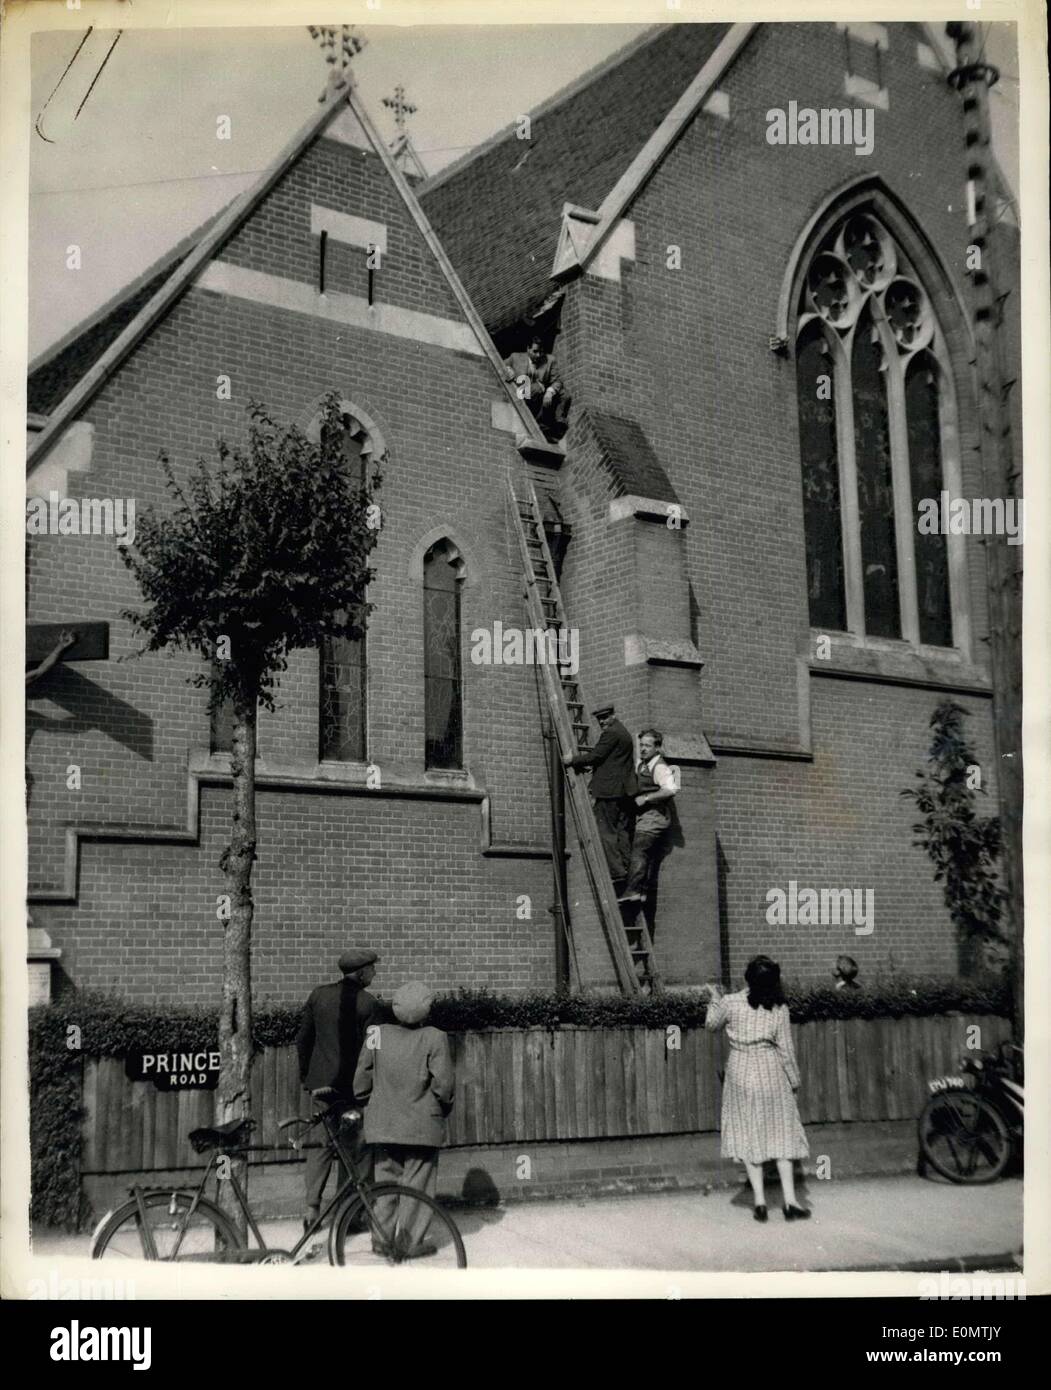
x=795, y=1213
x=759, y=1213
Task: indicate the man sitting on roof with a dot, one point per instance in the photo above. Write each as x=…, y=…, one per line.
x=537, y=382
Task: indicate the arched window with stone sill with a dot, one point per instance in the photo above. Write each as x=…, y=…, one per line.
x=444, y=572
x=876, y=414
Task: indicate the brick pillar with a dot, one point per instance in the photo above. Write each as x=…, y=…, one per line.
x=626, y=587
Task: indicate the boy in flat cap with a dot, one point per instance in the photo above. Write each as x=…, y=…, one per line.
x=612, y=764
x=407, y=1081
x=336, y=1020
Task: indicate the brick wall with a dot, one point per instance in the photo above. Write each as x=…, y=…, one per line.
x=403, y=876
x=685, y=353
x=839, y=822
x=408, y=876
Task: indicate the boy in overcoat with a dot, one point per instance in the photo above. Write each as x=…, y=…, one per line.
x=405, y=1079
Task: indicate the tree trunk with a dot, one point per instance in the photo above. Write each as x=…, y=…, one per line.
x=233, y=1098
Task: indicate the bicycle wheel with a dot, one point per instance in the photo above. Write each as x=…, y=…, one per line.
x=399, y=1226
x=209, y=1234
x=964, y=1138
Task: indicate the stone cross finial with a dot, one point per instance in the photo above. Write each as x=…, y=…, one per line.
x=399, y=106
x=339, y=45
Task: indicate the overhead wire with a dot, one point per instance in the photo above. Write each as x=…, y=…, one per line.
x=99, y=73
x=54, y=89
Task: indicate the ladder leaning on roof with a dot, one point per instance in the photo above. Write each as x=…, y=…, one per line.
x=634, y=964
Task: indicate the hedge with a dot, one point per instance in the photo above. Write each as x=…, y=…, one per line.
x=111, y=1027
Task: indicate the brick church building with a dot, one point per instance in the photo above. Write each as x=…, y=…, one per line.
x=738, y=545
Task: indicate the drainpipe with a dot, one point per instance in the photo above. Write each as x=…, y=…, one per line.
x=560, y=907
x=972, y=78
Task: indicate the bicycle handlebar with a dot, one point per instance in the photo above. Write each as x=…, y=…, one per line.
x=337, y=1113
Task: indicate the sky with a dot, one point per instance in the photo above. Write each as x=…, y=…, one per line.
x=140, y=166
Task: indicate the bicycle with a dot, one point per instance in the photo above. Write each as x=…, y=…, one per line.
x=973, y=1123
x=371, y=1223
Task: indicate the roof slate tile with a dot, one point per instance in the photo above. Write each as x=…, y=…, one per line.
x=499, y=216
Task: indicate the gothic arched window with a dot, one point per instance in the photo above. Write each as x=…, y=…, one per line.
x=343, y=668
x=871, y=386
x=443, y=574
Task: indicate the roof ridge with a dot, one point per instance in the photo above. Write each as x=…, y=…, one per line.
x=530, y=429
x=543, y=108
x=652, y=154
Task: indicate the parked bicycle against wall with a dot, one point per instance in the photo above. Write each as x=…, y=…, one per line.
x=367, y=1219
x=973, y=1122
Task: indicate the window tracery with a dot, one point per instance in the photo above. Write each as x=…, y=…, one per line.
x=873, y=394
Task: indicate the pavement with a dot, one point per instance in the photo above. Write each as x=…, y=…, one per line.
x=885, y=1223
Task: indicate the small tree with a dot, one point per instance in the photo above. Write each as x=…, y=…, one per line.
x=962, y=845
x=265, y=553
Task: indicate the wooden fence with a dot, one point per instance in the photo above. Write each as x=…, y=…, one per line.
x=522, y=1085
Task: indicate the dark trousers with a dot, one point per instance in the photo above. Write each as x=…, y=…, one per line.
x=320, y=1160
x=412, y=1167
x=647, y=851
x=615, y=817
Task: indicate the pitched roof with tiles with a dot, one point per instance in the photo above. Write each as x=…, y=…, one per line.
x=499, y=210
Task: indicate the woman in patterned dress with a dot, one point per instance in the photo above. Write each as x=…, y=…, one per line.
x=760, y=1119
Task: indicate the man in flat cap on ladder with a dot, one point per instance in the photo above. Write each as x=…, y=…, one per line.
x=336, y=1020
x=612, y=764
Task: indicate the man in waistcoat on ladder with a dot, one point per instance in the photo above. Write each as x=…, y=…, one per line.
x=657, y=784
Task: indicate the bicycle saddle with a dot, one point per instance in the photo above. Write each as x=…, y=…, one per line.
x=228, y=1136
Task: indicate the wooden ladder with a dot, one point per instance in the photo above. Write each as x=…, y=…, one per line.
x=633, y=962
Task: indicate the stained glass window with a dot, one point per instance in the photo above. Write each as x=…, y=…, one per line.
x=866, y=330
x=879, y=554
x=221, y=734
x=817, y=442
x=355, y=442
x=443, y=695
x=221, y=731
x=343, y=694
x=343, y=672
x=925, y=468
